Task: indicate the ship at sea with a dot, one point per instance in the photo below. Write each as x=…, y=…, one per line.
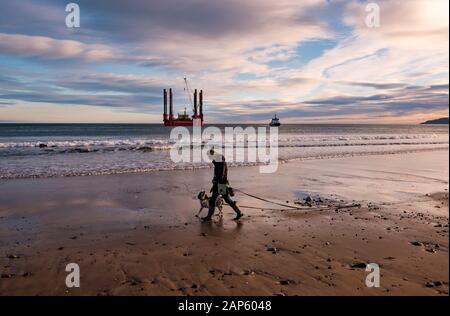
x=183, y=119
x=275, y=121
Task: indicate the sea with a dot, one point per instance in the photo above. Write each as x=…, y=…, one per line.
x=62, y=150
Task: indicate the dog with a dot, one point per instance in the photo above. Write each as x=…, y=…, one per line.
x=204, y=203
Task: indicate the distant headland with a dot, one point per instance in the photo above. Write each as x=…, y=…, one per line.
x=443, y=120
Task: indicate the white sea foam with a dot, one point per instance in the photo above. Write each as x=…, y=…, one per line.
x=27, y=157
x=284, y=140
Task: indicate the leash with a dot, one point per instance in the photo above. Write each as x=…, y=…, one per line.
x=281, y=209
x=261, y=208
x=336, y=207
x=272, y=202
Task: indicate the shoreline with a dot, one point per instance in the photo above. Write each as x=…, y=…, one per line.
x=201, y=167
x=136, y=234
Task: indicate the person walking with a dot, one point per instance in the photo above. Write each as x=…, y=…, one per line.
x=220, y=187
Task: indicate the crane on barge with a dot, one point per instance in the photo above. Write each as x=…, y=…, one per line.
x=183, y=119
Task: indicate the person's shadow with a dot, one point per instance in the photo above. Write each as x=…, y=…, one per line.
x=217, y=227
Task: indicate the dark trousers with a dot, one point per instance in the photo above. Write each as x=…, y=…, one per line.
x=226, y=198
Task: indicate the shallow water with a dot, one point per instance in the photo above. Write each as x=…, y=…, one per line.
x=47, y=150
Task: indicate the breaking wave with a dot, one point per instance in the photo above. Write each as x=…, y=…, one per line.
x=35, y=157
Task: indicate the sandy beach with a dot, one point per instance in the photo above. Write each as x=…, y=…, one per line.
x=136, y=234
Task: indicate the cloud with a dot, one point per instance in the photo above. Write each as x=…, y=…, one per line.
x=141, y=102
x=248, y=56
x=108, y=90
x=46, y=47
x=130, y=84
x=382, y=86
x=404, y=22
x=214, y=36
x=398, y=104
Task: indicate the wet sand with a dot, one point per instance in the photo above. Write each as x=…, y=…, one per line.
x=136, y=234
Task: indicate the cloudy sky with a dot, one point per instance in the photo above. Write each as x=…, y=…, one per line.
x=308, y=61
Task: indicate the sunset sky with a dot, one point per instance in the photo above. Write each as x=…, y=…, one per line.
x=309, y=61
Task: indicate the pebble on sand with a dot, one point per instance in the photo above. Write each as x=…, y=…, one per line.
x=433, y=284
x=359, y=265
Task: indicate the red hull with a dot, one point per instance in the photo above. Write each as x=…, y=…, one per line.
x=183, y=119
x=178, y=123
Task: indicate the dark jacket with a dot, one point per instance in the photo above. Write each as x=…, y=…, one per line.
x=220, y=171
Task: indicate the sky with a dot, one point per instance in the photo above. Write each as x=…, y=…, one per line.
x=309, y=61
